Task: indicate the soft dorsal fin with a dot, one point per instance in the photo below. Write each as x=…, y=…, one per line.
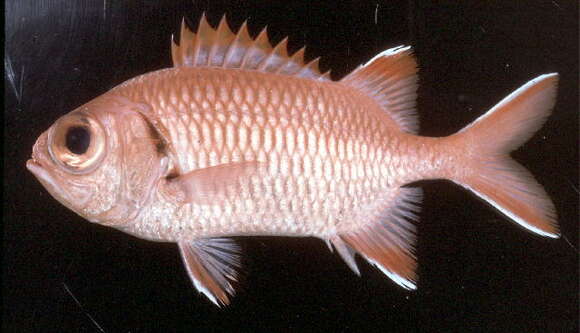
x=391, y=79
x=220, y=47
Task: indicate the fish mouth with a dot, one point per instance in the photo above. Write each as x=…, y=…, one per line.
x=42, y=175
x=75, y=203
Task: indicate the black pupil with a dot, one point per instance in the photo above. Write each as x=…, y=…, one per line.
x=78, y=140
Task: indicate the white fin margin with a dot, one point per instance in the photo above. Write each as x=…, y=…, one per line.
x=345, y=252
x=387, y=241
x=391, y=79
x=212, y=265
x=493, y=175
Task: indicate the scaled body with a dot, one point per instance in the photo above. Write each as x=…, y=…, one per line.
x=328, y=152
x=239, y=138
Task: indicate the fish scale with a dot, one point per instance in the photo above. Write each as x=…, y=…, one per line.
x=314, y=182
x=238, y=138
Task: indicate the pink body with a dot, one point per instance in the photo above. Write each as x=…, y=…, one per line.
x=239, y=139
x=330, y=152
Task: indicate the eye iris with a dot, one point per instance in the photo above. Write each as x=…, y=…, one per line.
x=78, y=140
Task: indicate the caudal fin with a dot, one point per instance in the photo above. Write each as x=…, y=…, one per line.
x=492, y=174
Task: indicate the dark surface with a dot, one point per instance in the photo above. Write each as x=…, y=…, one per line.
x=478, y=271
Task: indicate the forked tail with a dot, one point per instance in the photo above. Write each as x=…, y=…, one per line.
x=476, y=157
x=492, y=174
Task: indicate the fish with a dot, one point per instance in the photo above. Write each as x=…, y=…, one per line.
x=241, y=138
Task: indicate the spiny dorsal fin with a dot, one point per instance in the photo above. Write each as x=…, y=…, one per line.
x=390, y=78
x=220, y=47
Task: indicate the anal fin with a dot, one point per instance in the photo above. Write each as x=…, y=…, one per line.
x=387, y=240
x=345, y=252
x=211, y=265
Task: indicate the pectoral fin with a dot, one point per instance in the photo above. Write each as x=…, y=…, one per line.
x=211, y=185
x=211, y=265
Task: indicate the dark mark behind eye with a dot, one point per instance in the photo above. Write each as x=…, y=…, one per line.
x=172, y=175
x=160, y=145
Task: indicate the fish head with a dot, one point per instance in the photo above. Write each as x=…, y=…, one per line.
x=101, y=160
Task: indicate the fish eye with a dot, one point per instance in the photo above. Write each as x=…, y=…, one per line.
x=77, y=143
x=78, y=139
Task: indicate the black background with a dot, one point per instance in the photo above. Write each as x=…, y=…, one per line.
x=478, y=271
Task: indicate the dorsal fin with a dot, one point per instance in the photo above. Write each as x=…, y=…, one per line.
x=391, y=79
x=220, y=47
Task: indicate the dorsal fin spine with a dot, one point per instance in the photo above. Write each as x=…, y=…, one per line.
x=256, y=52
x=214, y=46
x=325, y=76
x=313, y=64
x=243, y=36
x=188, y=37
x=277, y=53
x=263, y=63
x=205, y=35
x=193, y=41
x=220, y=47
x=174, y=49
x=224, y=36
x=292, y=66
x=234, y=43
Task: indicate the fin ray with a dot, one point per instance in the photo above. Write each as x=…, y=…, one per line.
x=390, y=78
x=210, y=185
x=493, y=175
x=387, y=241
x=212, y=267
x=345, y=252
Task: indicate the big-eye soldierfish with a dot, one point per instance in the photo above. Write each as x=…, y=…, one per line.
x=239, y=138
